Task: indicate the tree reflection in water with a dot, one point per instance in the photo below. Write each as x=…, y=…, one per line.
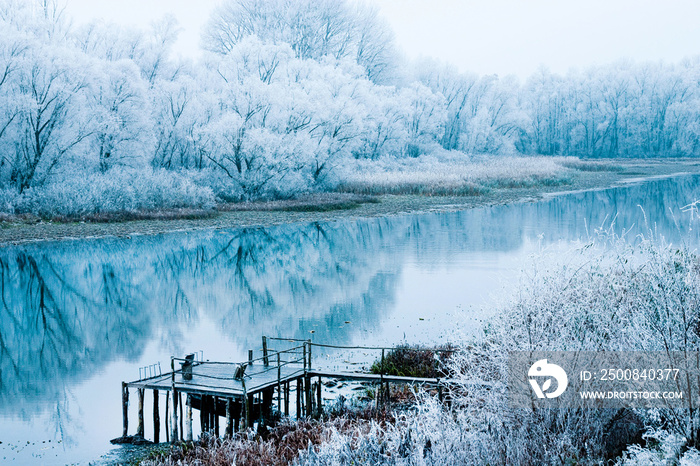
x=70, y=308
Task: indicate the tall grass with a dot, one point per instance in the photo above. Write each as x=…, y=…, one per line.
x=446, y=173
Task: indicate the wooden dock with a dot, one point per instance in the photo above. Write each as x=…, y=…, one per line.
x=242, y=393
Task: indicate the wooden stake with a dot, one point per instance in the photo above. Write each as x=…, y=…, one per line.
x=125, y=408
x=139, y=428
x=299, y=387
x=156, y=417
x=266, y=360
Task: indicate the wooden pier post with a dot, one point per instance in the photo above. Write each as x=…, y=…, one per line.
x=173, y=435
x=188, y=424
x=229, y=418
x=279, y=384
x=216, y=415
x=266, y=360
x=247, y=407
x=250, y=356
x=237, y=410
x=249, y=411
x=381, y=380
x=266, y=407
x=167, y=417
x=203, y=416
x=125, y=408
x=139, y=428
x=156, y=417
x=309, y=343
x=319, y=401
x=286, y=399
x=307, y=394
x=179, y=402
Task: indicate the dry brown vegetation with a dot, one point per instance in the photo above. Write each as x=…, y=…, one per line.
x=415, y=361
x=276, y=446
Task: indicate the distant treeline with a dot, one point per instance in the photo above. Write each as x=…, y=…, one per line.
x=286, y=98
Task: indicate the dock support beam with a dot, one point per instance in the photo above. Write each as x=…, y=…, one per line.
x=300, y=385
x=188, y=424
x=167, y=417
x=139, y=429
x=174, y=435
x=266, y=406
x=286, y=399
x=229, y=418
x=319, y=400
x=248, y=411
x=203, y=416
x=182, y=417
x=247, y=402
x=307, y=394
x=156, y=417
x=215, y=413
x=279, y=383
x=125, y=408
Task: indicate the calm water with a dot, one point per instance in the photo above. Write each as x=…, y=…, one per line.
x=78, y=317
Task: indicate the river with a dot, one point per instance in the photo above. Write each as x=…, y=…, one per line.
x=79, y=317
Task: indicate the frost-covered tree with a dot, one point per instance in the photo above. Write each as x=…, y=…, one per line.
x=313, y=28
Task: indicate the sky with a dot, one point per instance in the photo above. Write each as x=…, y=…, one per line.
x=487, y=36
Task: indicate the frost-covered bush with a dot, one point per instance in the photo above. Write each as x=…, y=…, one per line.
x=666, y=448
x=610, y=294
x=118, y=190
x=450, y=172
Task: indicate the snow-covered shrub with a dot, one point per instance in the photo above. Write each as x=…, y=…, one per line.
x=450, y=172
x=639, y=295
x=118, y=190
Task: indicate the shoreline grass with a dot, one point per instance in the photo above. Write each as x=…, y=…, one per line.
x=361, y=182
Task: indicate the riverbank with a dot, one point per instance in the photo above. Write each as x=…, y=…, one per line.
x=602, y=297
x=584, y=175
